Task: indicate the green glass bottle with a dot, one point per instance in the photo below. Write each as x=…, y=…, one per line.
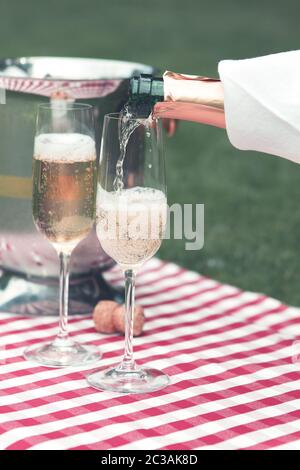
x=178, y=96
x=144, y=92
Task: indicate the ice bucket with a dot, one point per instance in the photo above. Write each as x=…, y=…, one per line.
x=28, y=263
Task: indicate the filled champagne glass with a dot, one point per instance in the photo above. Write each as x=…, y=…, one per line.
x=63, y=203
x=131, y=214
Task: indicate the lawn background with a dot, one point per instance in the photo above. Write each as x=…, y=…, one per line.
x=252, y=201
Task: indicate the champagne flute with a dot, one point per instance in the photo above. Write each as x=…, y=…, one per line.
x=63, y=202
x=131, y=214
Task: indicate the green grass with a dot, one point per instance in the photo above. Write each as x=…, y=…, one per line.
x=252, y=213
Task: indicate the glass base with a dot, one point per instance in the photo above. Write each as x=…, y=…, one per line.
x=124, y=381
x=63, y=353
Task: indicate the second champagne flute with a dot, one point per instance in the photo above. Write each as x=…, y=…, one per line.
x=131, y=220
x=63, y=201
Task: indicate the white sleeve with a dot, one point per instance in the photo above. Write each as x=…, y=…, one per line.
x=262, y=103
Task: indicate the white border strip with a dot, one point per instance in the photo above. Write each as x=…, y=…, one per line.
x=2, y=96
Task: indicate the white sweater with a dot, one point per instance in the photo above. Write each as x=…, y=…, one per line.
x=262, y=103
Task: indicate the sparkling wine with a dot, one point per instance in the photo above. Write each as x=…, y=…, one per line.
x=126, y=128
x=64, y=188
x=131, y=224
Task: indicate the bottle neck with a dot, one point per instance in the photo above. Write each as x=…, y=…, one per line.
x=193, y=89
x=147, y=86
x=145, y=92
x=178, y=96
x=178, y=87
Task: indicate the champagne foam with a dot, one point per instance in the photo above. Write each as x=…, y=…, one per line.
x=129, y=198
x=64, y=147
x=131, y=224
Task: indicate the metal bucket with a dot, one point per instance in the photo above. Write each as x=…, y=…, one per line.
x=29, y=265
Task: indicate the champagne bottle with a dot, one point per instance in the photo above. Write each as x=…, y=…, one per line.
x=261, y=101
x=178, y=96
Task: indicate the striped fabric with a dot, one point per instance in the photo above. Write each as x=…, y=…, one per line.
x=77, y=89
x=229, y=353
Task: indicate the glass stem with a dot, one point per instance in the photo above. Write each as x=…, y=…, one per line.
x=128, y=361
x=63, y=296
